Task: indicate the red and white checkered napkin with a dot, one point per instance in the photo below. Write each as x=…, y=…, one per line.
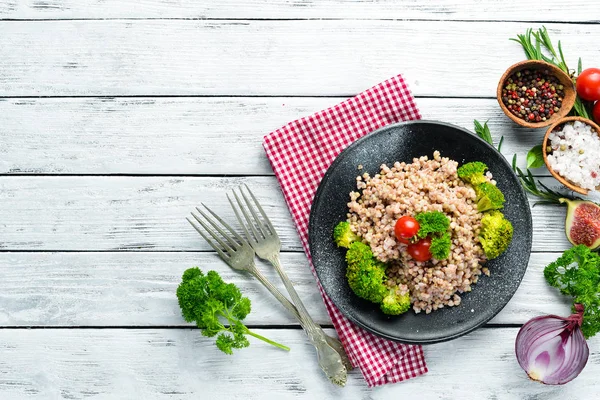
x=300, y=153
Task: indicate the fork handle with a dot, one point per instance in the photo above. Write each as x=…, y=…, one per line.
x=330, y=360
x=275, y=292
x=314, y=331
x=333, y=342
x=306, y=318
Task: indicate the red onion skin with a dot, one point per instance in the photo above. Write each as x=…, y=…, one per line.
x=568, y=331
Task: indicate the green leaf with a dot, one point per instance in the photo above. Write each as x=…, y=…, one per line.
x=579, y=109
x=563, y=63
x=500, y=143
x=483, y=131
x=543, y=33
x=538, y=49
x=579, y=67
x=532, y=43
x=535, y=159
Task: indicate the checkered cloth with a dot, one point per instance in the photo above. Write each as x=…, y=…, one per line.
x=300, y=153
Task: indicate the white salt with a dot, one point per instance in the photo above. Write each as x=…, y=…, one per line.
x=576, y=154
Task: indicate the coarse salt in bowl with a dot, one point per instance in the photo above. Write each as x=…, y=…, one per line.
x=572, y=151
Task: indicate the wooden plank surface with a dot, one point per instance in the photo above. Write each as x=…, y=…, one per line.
x=161, y=88
x=138, y=289
x=148, y=213
x=553, y=10
x=181, y=364
x=254, y=57
x=188, y=135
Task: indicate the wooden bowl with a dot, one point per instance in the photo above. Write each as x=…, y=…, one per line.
x=565, y=80
x=545, y=143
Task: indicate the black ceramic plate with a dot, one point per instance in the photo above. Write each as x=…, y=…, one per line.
x=403, y=142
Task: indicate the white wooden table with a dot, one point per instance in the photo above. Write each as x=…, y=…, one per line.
x=117, y=117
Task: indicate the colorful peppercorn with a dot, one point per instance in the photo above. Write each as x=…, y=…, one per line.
x=533, y=95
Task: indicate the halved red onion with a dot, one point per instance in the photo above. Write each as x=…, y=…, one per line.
x=552, y=349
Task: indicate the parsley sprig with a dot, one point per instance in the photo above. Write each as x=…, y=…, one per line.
x=208, y=301
x=577, y=273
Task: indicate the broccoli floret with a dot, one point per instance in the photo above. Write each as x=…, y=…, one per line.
x=365, y=274
x=343, y=236
x=394, y=304
x=440, y=246
x=432, y=222
x=495, y=235
x=473, y=172
x=366, y=277
x=577, y=273
x=489, y=197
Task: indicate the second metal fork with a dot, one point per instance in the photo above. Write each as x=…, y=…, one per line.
x=264, y=240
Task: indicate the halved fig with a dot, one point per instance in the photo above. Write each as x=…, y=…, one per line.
x=582, y=224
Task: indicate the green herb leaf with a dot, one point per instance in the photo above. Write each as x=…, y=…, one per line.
x=577, y=274
x=483, y=131
x=533, y=51
x=527, y=180
x=440, y=246
x=538, y=49
x=535, y=158
x=580, y=109
x=432, y=222
x=579, y=68
x=500, y=143
x=207, y=300
x=562, y=59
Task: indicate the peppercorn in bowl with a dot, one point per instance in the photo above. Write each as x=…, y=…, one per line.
x=535, y=94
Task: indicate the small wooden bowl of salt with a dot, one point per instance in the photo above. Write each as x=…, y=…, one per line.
x=572, y=154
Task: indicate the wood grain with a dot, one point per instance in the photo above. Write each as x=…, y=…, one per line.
x=138, y=289
x=188, y=135
x=254, y=57
x=148, y=213
x=181, y=364
x=385, y=9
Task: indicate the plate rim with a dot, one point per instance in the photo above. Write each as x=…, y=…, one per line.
x=318, y=193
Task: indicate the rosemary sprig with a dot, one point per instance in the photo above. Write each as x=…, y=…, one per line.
x=533, y=42
x=541, y=36
x=580, y=108
x=530, y=50
x=527, y=180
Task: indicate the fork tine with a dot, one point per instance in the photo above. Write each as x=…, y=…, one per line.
x=219, y=229
x=262, y=212
x=225, y=224
x=228, y=248
x=257, y=220
x=240, y=220
x=258, y=236
x=217, y=249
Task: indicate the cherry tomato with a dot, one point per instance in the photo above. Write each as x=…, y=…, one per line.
x=596, y=112
x=420, y=250
x=588, y=84
x=402, y=240
x=406, y=227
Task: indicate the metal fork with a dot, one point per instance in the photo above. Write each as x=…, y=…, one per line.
x=264, y=240
x=239, y=255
